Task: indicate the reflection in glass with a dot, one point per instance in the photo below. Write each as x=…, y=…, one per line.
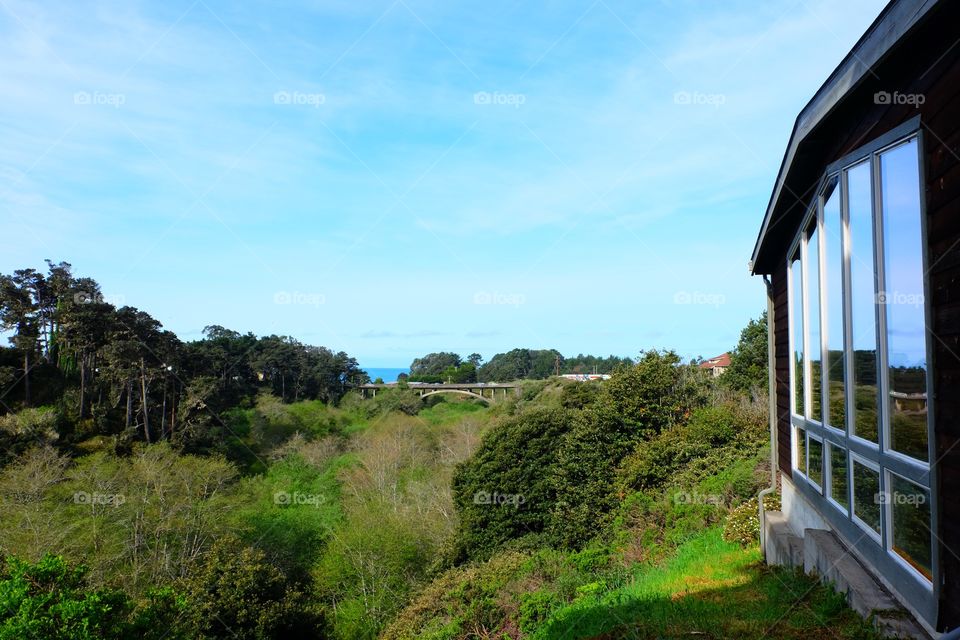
x=838, y=474
x=903, y=299
x=833, y=297
x=862, y=302
x=911, y=523
x=813, y=322
x=866, y=495
x=796, y=324
x=802, y=450
x=815, y=465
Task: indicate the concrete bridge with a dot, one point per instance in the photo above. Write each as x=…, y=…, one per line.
x=487, y=391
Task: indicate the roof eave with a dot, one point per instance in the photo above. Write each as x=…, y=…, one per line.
x=893, y=23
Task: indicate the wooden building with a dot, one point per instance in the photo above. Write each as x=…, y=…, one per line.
x=860, y=248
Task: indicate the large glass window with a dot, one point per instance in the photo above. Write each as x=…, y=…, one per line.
x=812, y=317
x=866, y=495
x=836, y=394
x=800, y=452
x=859, y=366
x=903, y=301
x=863, y=301
x=838, y=475
x=796, y=322
x=910, y=505
x=815, y=460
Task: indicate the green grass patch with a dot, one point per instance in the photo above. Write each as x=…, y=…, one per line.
x=448, y=412
x=711, y=589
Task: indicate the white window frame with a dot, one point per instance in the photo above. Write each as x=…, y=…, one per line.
x=828, y=492
x=877, y=457
x=866, y=526
x=888, y=481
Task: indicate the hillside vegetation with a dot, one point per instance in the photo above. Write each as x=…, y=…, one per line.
x=621, y=509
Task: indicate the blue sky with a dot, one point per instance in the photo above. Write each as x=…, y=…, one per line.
x=401, y=176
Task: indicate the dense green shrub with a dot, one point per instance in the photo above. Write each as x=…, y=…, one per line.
x=713, y=437
x=288, y=511
x=50, y=600
x=506, y=491
x=653, y=394
x=237, y=594
x=461, y=602
x=577, y=395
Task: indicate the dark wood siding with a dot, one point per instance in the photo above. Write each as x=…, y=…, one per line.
x=927, y=63
x=781, y=337
x=942, y=146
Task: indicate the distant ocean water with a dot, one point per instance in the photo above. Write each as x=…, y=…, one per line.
x=389, y=374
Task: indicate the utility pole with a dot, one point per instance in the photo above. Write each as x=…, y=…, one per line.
x=556, y=364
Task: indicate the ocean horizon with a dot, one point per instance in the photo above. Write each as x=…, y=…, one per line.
x=389, y=374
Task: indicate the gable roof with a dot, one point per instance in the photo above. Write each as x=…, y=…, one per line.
x=722, y=360
x=896, y=20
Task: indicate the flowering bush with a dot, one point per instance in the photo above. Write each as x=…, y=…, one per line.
x=743, y=523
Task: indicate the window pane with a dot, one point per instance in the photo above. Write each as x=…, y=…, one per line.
x=796, y=324
x=813, y=322
x=862, y=302
x=903, y=300
x=838, y=475
x=801, y=444
x=911, y=523
x=833, y=296
x=866, y=495
x=815, y=471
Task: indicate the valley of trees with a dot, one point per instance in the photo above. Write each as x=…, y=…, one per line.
x=235, y=487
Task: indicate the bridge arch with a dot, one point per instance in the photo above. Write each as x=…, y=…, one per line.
x=460, y=391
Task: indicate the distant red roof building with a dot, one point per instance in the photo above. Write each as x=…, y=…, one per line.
x=717, y=365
